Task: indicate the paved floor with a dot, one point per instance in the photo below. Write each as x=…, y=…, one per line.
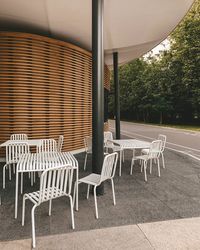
x=182, y=234
x=174, y=195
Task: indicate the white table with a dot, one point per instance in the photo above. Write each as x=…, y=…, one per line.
x=30, y=142
x=129, y=144
x=38, y=162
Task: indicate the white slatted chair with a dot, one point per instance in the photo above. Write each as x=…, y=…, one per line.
x=13, y=152
x=55, y=182
x=19, y=137
x=107, y=173
x=60, y=142
x=47, y=145
x=109, y=145
x=88, y=149
x=163, y=138
x=153, y=154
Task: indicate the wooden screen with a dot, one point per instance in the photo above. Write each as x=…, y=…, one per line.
x=45, y=89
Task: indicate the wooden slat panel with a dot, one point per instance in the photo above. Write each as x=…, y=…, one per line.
x=45, y=88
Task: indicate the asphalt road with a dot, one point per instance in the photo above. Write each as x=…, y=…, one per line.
x=187, y=142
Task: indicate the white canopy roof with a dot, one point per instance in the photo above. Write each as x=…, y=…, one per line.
x=131, y=27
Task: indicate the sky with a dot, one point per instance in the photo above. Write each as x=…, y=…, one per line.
x=164, y=45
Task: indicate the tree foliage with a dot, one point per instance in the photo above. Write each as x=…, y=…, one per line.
x=165, y=89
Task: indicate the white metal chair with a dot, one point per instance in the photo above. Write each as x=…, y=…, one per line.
x=88, y=148
x=153, y=153
x=109, y=145
x=60, y=142
x=55, y=182
x=47, y=145
x=19, y=137
x=107, y=173
x=163, y=138
x=13, y=152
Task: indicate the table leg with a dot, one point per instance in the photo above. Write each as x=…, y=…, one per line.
x=16, y=193
x=120, y=162
x=76, y=190
x=133, y=156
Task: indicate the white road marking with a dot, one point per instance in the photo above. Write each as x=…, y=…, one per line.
x=130, y=134
x=178, y=145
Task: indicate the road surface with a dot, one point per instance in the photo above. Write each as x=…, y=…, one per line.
x=185, y=141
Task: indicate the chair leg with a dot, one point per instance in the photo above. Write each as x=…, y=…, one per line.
x=23, y=209
x=72, y=211
x=88, y=191
x=33, y=225
x=10, y=173
x=34, y=177
x=75, y=194
x=142, y=165
x=50, y=206
x=31, y=178
x=132, y=163
x=4, y=176
x=123, y=155
x=14, y=165
x=145, y=172
x=150, y=169
x=163, y=160
x=95, y=202
x=158, y=167
x=113, y=191
x=21, y=182
x=85, y=162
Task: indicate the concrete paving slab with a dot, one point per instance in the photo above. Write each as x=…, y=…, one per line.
x=16, y=245
x=115, y=238
x=173, y=234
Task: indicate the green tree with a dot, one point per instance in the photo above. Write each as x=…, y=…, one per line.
x=165, y=88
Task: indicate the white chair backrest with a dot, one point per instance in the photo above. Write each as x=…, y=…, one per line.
x=18, y=137
x=55, y=182
x=109, y=166
x=60, y=142
x=155, y=149
x=163, y=138
x=47, y=145
x=108, y=136
x=15, y=150
x=88, y=144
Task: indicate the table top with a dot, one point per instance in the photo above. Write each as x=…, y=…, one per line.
x=32, y=162
x=131, y=143
x=31, y=142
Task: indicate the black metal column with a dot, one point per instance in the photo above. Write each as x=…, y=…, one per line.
x=117, y=101
x=97, y=88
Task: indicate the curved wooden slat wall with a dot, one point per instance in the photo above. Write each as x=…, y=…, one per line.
x=45, y=88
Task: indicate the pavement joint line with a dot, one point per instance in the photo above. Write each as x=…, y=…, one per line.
x=145, y=236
